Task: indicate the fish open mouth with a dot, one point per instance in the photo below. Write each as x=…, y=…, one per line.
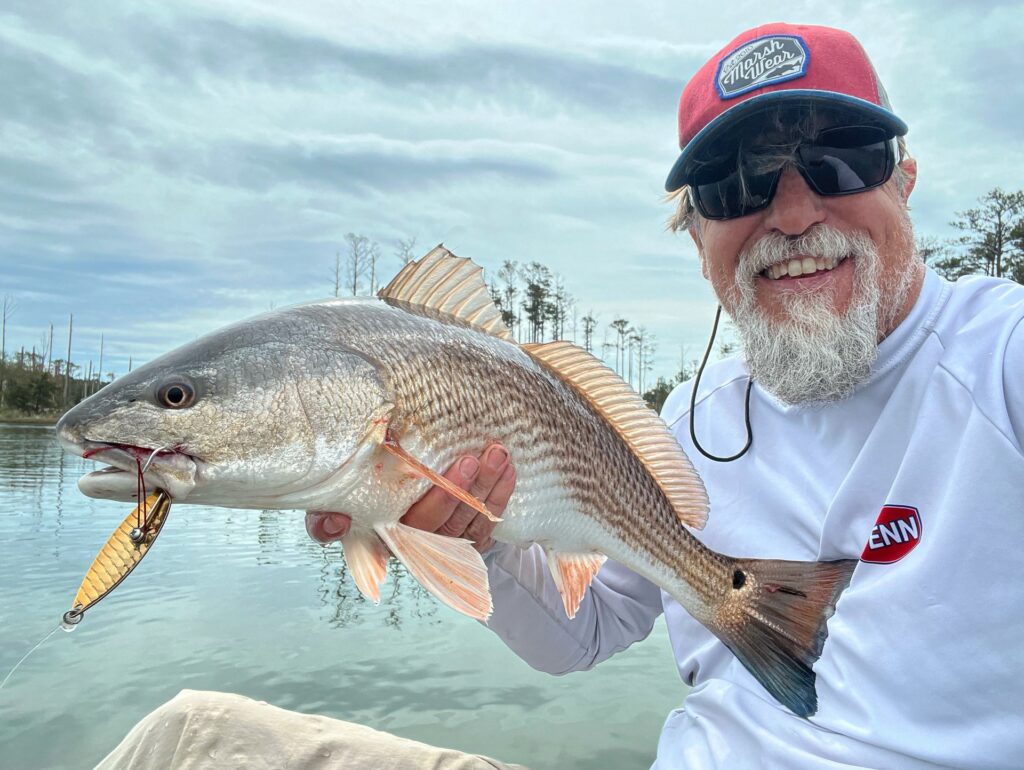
x=125, y=456
x=168, y=468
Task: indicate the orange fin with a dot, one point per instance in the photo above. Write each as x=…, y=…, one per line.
x=573, y=573
x=449, y=288
x=367, y=560
x=449, y=567
x=436, y=478
x=643, y=431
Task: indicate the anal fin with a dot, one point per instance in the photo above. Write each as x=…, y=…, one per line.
x=367, y=560
x=573, y=573
x=449, y=567
x=437, y=479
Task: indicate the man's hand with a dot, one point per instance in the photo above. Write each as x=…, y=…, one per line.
x=491, y=478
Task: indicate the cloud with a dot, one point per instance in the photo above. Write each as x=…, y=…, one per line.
x=511, y=75
x=168, y=167
x=351, y=165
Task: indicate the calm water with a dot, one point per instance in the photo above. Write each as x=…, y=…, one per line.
x=245, y=602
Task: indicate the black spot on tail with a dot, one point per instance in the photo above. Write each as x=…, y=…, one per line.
x=786, y=605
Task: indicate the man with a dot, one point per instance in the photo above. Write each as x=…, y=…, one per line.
x=885, y=420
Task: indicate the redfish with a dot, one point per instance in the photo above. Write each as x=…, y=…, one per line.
x=358, y=405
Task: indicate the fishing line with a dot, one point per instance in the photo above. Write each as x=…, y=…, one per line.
x=693, y=402
x=140, y=490
x=39, y=644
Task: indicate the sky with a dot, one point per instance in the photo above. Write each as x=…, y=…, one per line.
x=170, y=167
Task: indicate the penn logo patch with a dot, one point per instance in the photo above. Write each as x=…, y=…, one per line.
x=762, y=62
x=895, y=534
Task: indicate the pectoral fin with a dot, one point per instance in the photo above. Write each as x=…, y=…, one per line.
x=367, y=560
x=449, y=567
x=573, y=573
x=452, y=489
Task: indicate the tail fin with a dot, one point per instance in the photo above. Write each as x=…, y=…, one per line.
x=778, y=626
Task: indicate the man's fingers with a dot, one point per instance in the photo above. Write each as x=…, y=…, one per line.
x=326, y=527
x=490, y=480
x=480, y=528
x=494, y=462
x=501, y=492
x=436, y=506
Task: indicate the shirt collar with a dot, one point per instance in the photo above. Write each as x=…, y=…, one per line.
x=906, y=338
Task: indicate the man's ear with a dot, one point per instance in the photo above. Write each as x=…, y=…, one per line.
x=695, y=234
x=909, y=167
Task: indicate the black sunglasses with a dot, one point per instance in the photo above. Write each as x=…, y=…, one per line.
x=839, y=161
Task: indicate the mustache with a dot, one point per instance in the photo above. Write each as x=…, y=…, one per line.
x=820, y=241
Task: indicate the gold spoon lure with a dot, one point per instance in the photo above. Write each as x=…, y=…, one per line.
x=121, y=554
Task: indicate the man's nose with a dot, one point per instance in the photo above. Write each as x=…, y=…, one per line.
x=795, y=207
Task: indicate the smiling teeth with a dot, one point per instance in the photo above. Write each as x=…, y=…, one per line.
x=795, y=267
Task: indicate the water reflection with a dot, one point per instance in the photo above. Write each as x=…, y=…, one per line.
x=402, y=598
x=268, y=528
x=244, y=601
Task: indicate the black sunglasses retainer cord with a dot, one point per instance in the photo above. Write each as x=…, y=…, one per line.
x=693, y=401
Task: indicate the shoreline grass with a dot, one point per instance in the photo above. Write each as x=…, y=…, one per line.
x=19, y=418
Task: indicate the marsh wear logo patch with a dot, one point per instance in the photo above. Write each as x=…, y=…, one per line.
x=895, y=534
x=762, y=62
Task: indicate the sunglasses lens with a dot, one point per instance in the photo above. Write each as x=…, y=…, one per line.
x=734, y=194
x=847, y=160
x=839, y=161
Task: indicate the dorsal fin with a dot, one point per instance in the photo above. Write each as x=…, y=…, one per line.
x=442, y=284
x=644, y=432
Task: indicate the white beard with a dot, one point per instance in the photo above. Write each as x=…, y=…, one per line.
x=814, y=354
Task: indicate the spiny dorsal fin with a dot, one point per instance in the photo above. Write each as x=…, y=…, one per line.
x=441, y=283
x=644, y=432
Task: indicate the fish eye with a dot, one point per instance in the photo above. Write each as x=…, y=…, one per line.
x=176, y=394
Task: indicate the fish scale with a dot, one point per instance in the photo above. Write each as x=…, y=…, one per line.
x=606, y=480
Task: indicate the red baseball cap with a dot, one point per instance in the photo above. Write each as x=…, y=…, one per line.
x=777, y=64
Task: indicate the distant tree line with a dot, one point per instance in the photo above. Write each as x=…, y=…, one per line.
x=990, y=239
x=33, y=382
x=535, y=305
x=356, y=271
x=534, y=302
x=31, y=385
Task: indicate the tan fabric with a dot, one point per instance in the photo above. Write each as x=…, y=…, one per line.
x=206, y=730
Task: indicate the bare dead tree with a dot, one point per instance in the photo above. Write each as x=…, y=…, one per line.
x=6, y=311
x=373, y=255
x=99, y=368
x=338, y=273
x=621, y=326
x=405, y=250
x=509, y=274
x=558, y=308
x=49, y=351
x=643, y=341
x=589, y=325
x=357, y=262
x=67, y=361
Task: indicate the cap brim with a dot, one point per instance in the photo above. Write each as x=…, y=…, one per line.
x=880, y=115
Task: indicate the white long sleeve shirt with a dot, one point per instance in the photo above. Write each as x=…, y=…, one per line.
x=922, y=468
